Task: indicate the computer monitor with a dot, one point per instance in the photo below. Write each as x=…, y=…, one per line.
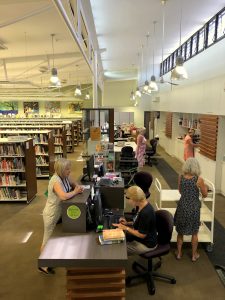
x=90, y=169
x=98, y=208
x=112, y=197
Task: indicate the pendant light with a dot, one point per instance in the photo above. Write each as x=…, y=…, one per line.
x=138, y=92
x=146, y=85
x=54, y=74
x=153, y=85
x=132, y=96
x=179, y=72
x=87, y=96
x=77, y=91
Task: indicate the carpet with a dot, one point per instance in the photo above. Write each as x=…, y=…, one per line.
x=167, y=172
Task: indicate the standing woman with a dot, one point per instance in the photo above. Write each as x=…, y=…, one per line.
x=187, y=215
x=141, y=146
x=61, y=187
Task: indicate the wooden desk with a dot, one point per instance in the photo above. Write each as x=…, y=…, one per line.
x=92, y=269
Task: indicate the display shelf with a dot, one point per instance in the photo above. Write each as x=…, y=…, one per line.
x=17, y=176
x=167, y=200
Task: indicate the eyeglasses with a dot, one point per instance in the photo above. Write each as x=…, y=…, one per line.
x=128, y=198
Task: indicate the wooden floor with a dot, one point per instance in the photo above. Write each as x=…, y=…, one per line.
x=20, y=280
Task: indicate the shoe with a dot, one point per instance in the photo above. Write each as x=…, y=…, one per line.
x=49, y=271
x=195, y=258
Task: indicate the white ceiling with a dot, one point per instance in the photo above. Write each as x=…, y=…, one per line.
x=25, y=29
x=122, y=25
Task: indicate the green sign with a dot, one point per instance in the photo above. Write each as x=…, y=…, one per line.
x=73, y=212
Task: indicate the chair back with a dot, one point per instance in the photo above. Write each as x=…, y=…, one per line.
x=127, y=151
x=154, y=143
x=164, y=225
x=144, y=181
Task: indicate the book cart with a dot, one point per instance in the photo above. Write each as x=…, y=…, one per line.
x=17, y=170
x=44, y=149
x=167, y=198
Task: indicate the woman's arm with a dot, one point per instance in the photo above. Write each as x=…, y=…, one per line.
x=130, y=230
x=57, y=187
x=203, y=188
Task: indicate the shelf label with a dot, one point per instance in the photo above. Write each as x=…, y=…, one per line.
x=27, y=145
x=73, y=212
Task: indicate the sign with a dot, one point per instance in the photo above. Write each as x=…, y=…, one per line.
x=95, y=133
x=73, y=212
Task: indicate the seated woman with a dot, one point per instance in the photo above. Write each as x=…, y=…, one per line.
x=141, y=234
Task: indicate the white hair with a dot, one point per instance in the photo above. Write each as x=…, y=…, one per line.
x=191, y=167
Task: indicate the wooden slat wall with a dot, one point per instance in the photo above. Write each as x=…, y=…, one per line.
x=208, y=141
x=169, y=122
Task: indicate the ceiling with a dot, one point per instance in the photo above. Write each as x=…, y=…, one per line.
x=25, y=30
x=122, y=26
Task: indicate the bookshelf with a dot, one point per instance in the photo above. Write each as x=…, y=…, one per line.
x=59, y=133
x=44, y=149
x=69, y=127
x=169, y=123
x=17, y=170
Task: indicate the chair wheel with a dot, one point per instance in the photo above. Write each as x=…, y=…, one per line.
x=173, y=281
x=152, y=291
x=128, y=280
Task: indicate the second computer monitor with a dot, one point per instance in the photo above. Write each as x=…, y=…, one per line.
x=112, y=197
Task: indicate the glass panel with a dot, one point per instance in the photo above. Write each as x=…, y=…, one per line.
x=188, y=49
x=221, y=25
x=183, y=53
x=211, y=32
x=201, y=42
x=194, y=44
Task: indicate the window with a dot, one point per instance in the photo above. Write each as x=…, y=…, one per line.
x=221, y=25
x=211, y=32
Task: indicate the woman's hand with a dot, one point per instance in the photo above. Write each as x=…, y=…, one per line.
x=123, y=221
x=78, y=189
x=120, y=226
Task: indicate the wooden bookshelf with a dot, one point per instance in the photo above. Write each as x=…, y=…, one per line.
x=169, y=124
x=209, y=130
x=17, y=170
x=44, y=149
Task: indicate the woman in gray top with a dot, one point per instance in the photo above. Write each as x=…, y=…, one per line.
x=61, y=187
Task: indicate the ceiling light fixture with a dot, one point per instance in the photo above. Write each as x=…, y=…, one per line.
x=132, y=96
x=87, y=96
x=138, y=93
x=54, y=74
x=153, y=85
x=77, y=91
x=146, y=89
x=179, y=72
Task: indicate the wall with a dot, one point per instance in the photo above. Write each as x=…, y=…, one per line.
x=117, y=95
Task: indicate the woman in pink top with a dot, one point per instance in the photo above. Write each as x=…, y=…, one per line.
x=189, y=145
x=141, y=146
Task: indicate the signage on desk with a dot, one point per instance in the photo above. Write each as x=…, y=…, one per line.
x=73, y=212
x=95, y=133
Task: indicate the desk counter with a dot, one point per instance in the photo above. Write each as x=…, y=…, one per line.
x=81, y=251
x=132, y=144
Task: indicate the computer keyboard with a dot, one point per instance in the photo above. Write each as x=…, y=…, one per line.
x=110, y=219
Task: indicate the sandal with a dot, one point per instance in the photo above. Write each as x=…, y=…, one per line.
x=196, y=257
x=46, y=271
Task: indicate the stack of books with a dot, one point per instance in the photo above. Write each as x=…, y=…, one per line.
x=111, y=236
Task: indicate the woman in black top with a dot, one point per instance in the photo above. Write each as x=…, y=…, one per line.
x=141, y=233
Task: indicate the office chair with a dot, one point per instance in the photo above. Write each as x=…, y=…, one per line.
x=149, y=153
x=164, y=225
x=144, y=181
x=128, y=164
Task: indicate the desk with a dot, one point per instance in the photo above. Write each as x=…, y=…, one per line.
x=95, y=269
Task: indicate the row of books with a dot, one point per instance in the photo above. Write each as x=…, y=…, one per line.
x=11, y=150
x=42, y=172
x=58, y=156
x=40, y=150
x=58, y=140
x=41, y=160
x=57, y=131
x=11, y=193
x=11, y=164
x=6, y=179
x=58, y=149
x=41, y=138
